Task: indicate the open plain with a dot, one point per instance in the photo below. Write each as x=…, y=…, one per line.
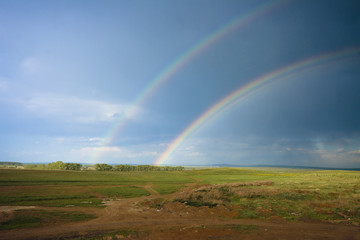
x=219, y=203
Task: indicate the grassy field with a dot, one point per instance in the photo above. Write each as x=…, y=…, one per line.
x=9, y=177
x=285, y=194
x=37, y=218
x=295, y=194
x=80, y=188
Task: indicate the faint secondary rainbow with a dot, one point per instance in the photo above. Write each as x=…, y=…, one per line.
x=182, y=61
x=251, y=88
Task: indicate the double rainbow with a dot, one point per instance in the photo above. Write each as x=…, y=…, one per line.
x=181, y=61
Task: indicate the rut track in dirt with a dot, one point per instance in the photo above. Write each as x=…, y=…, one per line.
x=175, y=218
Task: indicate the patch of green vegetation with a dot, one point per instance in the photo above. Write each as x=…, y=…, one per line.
x=167, y=188
x=248, y=213
x=123, y=192
x=21, y=221
x=52, y=201
x=70, y=216
x=37, y=218
x=228, y=175
x=294, y=196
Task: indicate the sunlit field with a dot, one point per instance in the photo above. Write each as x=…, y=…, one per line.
x=80, y=188
x=270, y=194
x=292, y=194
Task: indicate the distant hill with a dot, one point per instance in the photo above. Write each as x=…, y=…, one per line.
x=284, y=166
x=10, y=164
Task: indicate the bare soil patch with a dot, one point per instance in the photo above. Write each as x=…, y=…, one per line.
x=9, y=209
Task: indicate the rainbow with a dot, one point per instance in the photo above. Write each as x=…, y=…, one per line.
x=251, y=88
x=182, y=61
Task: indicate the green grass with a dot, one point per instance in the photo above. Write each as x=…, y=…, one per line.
x=123, y=192
x=37, y=218
x=165, y=188
x=79, y=188
x=12, y=177
x=51, y=201
x=21, y=221
x=48, y=195
x=228, y=175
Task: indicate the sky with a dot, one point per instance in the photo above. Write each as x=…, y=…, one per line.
x=141, y=82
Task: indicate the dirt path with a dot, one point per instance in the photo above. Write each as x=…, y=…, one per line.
x=178, y=221
x=8, y=209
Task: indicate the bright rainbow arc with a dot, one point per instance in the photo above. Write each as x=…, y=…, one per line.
x=183, y=60
x=251, y=88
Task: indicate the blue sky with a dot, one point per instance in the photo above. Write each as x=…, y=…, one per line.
x=71, y=70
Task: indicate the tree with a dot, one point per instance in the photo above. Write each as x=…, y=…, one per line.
x=103, y=167
x=72, y=166
x=59, y=165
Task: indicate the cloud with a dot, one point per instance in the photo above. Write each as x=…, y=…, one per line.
x=96, y=140
x=111, y=152
x=339, y=150
x=82, y=141
x=74, y=109
x=104, y=149
x=356, y=152
x=30, y=65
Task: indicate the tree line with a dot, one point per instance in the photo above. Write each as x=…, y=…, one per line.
x=59, y=165
x=135, y=168
x=11, y=163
